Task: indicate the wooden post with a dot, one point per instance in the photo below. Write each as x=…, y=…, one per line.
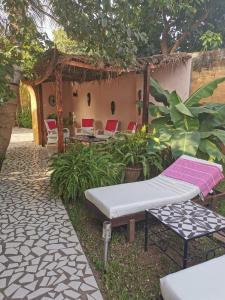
x=146, y=91
x=131, y=230
x=43, y=137
x=58, y=79
x=40, y=115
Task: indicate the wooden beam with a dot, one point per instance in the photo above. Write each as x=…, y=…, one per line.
x=146, y=92
x=59, y=107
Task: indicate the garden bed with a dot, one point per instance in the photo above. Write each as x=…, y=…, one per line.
x=132, y=274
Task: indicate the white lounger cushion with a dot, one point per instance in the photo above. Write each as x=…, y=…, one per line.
x=124, y=199
x=205, y=281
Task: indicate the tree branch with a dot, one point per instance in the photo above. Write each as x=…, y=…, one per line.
x=164, y=39
x=184, y=35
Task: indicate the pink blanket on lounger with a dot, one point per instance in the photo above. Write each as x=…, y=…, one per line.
x=204, y=176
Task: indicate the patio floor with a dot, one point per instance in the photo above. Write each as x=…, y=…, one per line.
x=40, y=254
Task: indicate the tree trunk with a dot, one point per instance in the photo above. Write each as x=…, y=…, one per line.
x=7, y=120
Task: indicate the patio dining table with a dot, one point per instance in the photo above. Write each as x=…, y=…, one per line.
x=87, y=139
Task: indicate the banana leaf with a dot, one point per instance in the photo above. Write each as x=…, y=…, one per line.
x=218, y=133
x=185, y=143
x=214, y=153
x=158, y=92
x=200, y=110
x=157, y=111
x=203, y=92
x=181, y=107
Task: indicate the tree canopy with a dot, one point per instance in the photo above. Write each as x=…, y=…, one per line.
x=120, y=30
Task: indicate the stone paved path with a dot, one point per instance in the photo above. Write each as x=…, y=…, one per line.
x=40, y=254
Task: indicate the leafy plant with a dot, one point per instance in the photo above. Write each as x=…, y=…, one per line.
x=211, y=40
x=24, y=117
x=189, y=127
x=82, y=168
x=52, y=116
x=132, y=150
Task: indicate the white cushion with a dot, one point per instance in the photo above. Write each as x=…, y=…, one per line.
x=201, y=282
x=124, y=199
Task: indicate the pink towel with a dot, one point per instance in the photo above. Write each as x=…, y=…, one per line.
x=205, y=176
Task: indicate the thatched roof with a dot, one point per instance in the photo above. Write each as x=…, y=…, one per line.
x=83, y=68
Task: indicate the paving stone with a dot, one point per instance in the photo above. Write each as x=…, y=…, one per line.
x=40, y=254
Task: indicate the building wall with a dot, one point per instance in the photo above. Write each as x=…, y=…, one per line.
x=207, y=67
x=122, y=90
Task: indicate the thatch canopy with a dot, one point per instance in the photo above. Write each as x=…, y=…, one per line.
x=83, y=68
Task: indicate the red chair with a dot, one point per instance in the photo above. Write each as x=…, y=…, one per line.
x=132, y=127
x=87, y=127
x=52, y=131
x=110, y=129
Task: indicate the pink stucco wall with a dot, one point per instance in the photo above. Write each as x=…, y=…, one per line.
x=123, y=90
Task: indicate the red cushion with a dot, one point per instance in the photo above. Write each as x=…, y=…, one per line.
x=132, y=126
x=52, y=124
x=87, y=122
x=111, y=125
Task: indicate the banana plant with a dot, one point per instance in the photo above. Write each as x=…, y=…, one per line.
x=188, y=127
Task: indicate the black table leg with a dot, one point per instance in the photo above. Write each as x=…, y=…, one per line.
x=185, y=255
x=146, y=229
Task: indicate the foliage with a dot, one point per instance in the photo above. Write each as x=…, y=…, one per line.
x=190, y=127
x=20, y=42
x=82, y=168
x=105, y=29
x=24, y=117
x=52, y=116
x=7, y=52
x=211, y=40
x=172, y=25
x=132, y=151
x=66, y=44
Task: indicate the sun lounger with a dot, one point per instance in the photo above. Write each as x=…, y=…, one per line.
x=123, y=203
x=201, y=282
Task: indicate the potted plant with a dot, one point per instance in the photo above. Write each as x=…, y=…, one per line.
x=132, y=151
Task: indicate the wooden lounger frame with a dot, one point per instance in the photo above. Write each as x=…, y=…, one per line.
x=130, y=220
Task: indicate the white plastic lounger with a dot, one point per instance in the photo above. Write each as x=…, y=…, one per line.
x=201, y=282
x=130, y=198
x=123, y=203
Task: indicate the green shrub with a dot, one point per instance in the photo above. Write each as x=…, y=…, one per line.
x=82, y=168
x=132, y=150
x=189, y=127
x=24, y=117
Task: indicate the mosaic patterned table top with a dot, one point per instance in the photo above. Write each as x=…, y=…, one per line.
x=40, y=254
x=189, y=219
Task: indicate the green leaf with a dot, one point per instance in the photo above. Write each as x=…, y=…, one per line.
x=203, y=92
x=160, y=122
x=214, y=153
x=156, y=110
x=181, y=107
x=185, y=143
x=200, y=110
x=158, y=92
x=220, y=134
x=174, y=98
